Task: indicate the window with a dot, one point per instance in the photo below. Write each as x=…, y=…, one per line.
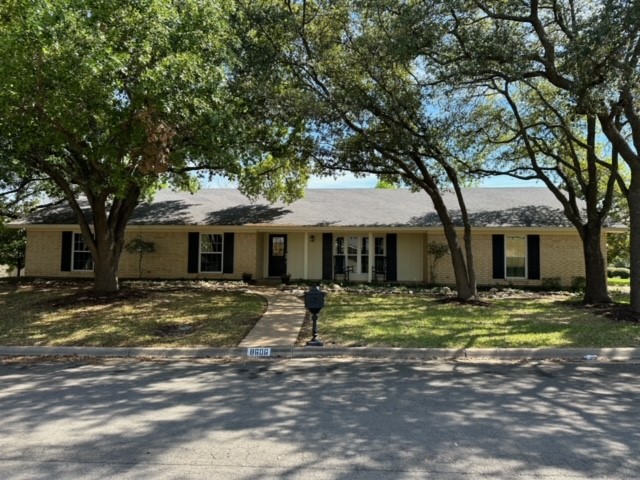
x=211, y=253
x=80, y=253
x=355, y=251
x=516, y=256
x=364, y=255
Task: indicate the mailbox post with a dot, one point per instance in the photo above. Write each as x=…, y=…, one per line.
x=314, y=302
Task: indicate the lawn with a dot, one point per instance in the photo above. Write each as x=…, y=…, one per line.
x=420, y=321
x=144, y=315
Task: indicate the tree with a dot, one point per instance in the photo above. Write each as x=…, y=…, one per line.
x=618, y=244
x=385, y=185
x=437, y=251
x=140, y=247
x=589, y=51
x=536, y=135
x=13, y=245
x=372, y=101
x=20, y=192
x=113, y=100
x=20, y=188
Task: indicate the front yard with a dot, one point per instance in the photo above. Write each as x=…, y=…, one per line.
x=420, y=321
x=186, y=314
x=140, y=315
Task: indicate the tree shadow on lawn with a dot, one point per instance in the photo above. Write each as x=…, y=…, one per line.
x=132, y=317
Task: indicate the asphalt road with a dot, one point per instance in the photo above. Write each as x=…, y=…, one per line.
x=319, y=419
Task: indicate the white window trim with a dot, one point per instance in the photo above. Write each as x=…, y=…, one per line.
x=221, y=253
x=526, y=258
x=369, y=255
x=73, y=255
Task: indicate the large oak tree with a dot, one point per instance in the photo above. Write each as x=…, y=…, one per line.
x=533, y=133
x=589, y=51
x=359, y=72
x=112, y=99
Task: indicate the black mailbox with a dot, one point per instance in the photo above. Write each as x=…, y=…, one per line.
x=314, y=300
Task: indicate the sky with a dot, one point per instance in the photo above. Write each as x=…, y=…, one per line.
x=349, y=181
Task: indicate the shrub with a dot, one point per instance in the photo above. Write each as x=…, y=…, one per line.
x=578, y=283
x=551, y=283
x=618, y=272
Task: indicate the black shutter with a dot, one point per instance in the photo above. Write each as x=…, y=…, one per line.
x=533, y=256
x=65, y=254
x=193, y=261
x=392, y=257
x=498, y=256
x=227, y=254
x=327, y=254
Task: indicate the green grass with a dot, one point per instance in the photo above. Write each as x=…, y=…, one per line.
x=151, y=316
x=619, y=282
x=422, y=321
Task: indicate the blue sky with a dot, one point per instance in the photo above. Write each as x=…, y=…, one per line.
x=349, y=181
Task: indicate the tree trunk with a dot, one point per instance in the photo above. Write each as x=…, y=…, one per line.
x=595, y=269
x=465, y=290
x=106, y=274
x=634, y=240
x=105, y=262
x=460, y=272
x=108, y=239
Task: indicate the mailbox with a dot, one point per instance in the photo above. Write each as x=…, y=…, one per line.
x=314, y=300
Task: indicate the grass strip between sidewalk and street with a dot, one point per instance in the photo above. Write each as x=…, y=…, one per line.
x=421, y=321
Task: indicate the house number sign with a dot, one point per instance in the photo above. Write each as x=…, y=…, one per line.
x=259, y=352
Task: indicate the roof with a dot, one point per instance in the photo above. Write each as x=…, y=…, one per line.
x=488, y=207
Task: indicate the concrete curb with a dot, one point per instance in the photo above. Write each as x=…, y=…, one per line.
x=513, y=354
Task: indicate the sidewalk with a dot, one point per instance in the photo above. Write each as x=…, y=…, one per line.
x=278, y=331
x=281, y=323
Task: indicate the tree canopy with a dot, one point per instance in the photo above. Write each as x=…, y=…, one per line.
x=112, y=100
x=372, y=98
x=587, y=52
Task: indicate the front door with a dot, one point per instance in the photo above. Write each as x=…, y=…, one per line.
x=277, y=255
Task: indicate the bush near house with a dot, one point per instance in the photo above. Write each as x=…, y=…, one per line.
x=618, y=272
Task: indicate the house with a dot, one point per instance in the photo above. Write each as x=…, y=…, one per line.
x=520, y=237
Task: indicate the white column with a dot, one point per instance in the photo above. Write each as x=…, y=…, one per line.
x=371, y=256
x=306, y=256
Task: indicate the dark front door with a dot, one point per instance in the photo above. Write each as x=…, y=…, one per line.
x=277, y=255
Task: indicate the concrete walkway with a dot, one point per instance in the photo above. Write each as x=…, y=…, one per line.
x=281, y=323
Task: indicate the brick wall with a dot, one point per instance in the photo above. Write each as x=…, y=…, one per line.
x=560, y=253
x=43, y=255
x=168, y=261
x=561, y=256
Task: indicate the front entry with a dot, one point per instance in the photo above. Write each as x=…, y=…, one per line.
x=277, y=255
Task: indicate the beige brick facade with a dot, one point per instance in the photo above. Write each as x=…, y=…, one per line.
x=168, y=261
x=561, y=256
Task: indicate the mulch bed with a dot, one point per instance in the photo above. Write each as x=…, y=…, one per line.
x=474, y=302
x=89, y=297
x=618, y=312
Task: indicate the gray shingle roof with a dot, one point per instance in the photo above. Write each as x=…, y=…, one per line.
x=488, y=207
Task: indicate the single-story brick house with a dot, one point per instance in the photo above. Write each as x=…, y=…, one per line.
x=520, y=237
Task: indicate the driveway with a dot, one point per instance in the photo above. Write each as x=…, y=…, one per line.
x=319, y=419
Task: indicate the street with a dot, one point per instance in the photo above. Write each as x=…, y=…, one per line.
x=318, y=419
